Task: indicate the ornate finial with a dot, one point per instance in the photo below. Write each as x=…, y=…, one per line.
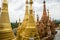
x=31, y=2
x=44, y=1
x=26, y=12
x=26, y=1
x=37, y=17
x=48, y=12
x=44, y=9
x=5, y=1
x=19, y=21
x=31, y=9
x=16, y=21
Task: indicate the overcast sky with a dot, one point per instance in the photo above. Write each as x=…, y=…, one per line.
x=17, y=8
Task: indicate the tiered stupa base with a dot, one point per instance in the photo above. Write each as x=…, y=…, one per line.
x=29, y=34
x=6, y=35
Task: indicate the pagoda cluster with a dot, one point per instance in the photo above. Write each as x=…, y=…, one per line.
x=44, y=29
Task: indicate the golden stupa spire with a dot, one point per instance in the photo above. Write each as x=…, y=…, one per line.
x=25, y=17
x=26, y=13
x=30, y=32
x=6, y=32
x=31, y=16
x=24, y=23
x=31, y=10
